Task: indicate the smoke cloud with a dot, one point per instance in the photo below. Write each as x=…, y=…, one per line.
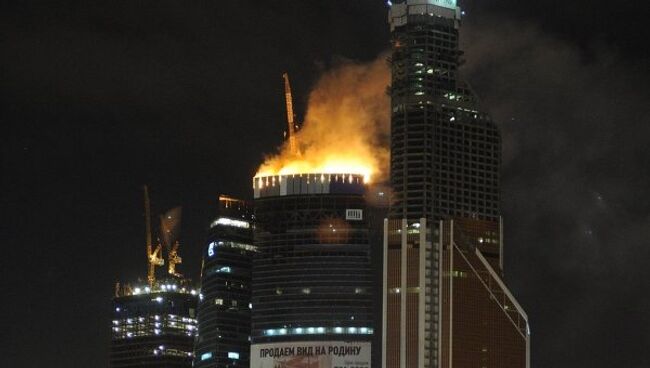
x=346, y=125
x=575, y=128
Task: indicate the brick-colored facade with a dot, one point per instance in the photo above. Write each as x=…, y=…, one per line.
x=453, y=306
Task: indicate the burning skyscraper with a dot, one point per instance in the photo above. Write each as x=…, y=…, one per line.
x=313, y=283
x=312, y=278
x=446, y=305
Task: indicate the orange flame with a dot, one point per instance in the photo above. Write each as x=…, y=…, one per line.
x=346, y=126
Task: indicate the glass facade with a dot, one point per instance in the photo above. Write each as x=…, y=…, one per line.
x=482, y=323
x=154, y=327
x=443, y=293
x=312, y=276
x=224, y=307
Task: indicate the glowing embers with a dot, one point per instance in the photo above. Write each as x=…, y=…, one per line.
x=334, y=231
x=339, y=330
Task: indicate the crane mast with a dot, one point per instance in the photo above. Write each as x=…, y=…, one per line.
x=153, y=256
x=291, y=131
x=169, y=224
x=173, y=259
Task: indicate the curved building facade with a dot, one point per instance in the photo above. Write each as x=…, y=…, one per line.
x=224, y=307
x=312, y=276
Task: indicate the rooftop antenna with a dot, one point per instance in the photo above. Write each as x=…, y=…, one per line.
x=291, y=132
x=153, y=256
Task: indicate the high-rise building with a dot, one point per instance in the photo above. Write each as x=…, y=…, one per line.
x=224, y=315
x=481, y=324
x=445, y=153
x=154, y=326
x=312, y=276
x=445, y=303
x=154, y=322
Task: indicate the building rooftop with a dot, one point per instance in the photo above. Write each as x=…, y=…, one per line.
x=179, y=286
x=308, y=183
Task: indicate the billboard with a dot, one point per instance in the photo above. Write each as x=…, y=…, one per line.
x=311, y=354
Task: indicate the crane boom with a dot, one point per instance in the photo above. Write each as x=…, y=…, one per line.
x=291, y=131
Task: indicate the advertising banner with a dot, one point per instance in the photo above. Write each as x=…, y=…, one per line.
x=311, y=354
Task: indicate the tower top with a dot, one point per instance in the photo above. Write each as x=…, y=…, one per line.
x=308, y=183
x=400, y=11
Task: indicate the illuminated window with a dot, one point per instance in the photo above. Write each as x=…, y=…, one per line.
x=233, y=355
x=206, y=356
x=218, y=301
x=230, y=222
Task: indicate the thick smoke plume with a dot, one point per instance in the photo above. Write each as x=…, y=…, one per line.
x=575, y=127
x=345, y=127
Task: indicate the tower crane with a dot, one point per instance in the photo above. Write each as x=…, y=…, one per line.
x=154, y=257
x=173, y=259
x=291, y=131
x=169, y=224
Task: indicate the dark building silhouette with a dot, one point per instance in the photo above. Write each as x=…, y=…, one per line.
x=313, y=276
x=378, y=204
x=445, y=303
x=154, y=326
x=224, y=314
x=445, y=153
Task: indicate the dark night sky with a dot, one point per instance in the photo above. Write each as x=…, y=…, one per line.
x=100, y=97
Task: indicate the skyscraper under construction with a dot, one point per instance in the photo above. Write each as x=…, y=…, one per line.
x=154, y=322
x=154, y=326
x=446, y=305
